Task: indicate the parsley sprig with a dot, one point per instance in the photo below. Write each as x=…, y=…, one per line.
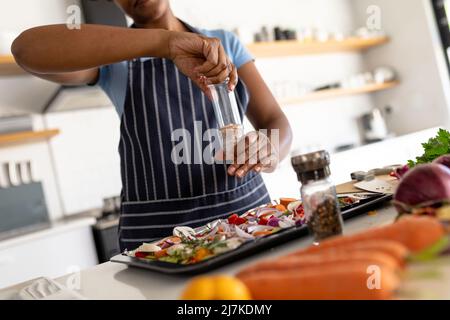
x=434, y=148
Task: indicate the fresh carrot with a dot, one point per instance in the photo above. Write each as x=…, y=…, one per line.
x=261, y=233
x=345, y=282
x=201, y=254
x=286, y=201
x=299, y=263
x=161, y=253
x=394, y=249
x=415, y=233
x=279, y=207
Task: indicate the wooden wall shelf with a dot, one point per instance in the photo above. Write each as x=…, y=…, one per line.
x=298, y=48
x=26, y=136
x=9, y=67
x=335, y=93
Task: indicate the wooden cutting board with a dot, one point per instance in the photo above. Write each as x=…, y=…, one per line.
x=349, y=187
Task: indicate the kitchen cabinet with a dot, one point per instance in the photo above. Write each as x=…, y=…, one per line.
x=23, y=137
x=295, y=48
x=340, y=92
x=64, y=248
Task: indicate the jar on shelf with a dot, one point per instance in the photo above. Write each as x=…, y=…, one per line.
x=318, y=192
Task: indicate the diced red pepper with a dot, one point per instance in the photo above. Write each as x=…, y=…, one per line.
x=141, y=254
x=240, y=221
x=232, y=219
x=235, y=219
x=263, y=221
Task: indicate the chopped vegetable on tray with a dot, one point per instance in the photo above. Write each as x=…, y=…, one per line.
x=189, y=246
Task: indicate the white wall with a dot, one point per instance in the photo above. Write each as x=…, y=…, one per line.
x=86, y=157
x=20, y=15
x=328, y=14
x=420, y=101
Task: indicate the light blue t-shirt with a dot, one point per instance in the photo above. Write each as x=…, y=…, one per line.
x=113, y=78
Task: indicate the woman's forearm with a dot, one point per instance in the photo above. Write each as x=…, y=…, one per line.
x=56, y=49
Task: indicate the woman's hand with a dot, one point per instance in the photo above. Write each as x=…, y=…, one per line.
x=202, y=59
x=254, y=152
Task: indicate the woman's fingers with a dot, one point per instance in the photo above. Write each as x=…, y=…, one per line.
x=202, y=59
x=270, y=163
x=246, y=147
x=222, y=64
x=233, y=78
x=239, y=153
x=221, y=77
x=249, y=152
x=244, y=170
x=212, y=48
x=258, y=168
x=218, y=67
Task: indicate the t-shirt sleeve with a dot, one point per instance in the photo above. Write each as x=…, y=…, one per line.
x=113, y=81
x=238, y=53
x=103, y=77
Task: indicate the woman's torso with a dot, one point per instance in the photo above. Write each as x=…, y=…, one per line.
x=158, y=193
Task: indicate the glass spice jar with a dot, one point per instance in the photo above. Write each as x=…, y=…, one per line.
x=318, y=192
x=228, y=117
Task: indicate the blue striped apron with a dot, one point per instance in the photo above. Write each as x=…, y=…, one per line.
x=158, y=194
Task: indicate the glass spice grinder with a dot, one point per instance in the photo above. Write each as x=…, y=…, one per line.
x=228, y=117
x=322, y=211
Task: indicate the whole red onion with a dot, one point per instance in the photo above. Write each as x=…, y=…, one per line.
x=400, y=172
x=444, y=160
x=423, y=186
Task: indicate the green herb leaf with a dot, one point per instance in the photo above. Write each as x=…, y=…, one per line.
x=433, y=149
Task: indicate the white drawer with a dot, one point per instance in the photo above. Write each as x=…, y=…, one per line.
x=50, y=256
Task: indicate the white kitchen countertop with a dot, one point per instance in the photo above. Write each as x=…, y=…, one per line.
x=112, y=281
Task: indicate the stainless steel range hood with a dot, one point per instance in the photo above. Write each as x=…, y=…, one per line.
x=27, y=95
x=76, y=98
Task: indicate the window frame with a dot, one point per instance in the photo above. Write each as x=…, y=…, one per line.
x=442, y=19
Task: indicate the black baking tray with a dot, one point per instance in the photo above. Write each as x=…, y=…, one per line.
x=249, y=248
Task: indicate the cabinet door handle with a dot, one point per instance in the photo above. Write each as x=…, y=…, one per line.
x=13, y=174
x=4, y=176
